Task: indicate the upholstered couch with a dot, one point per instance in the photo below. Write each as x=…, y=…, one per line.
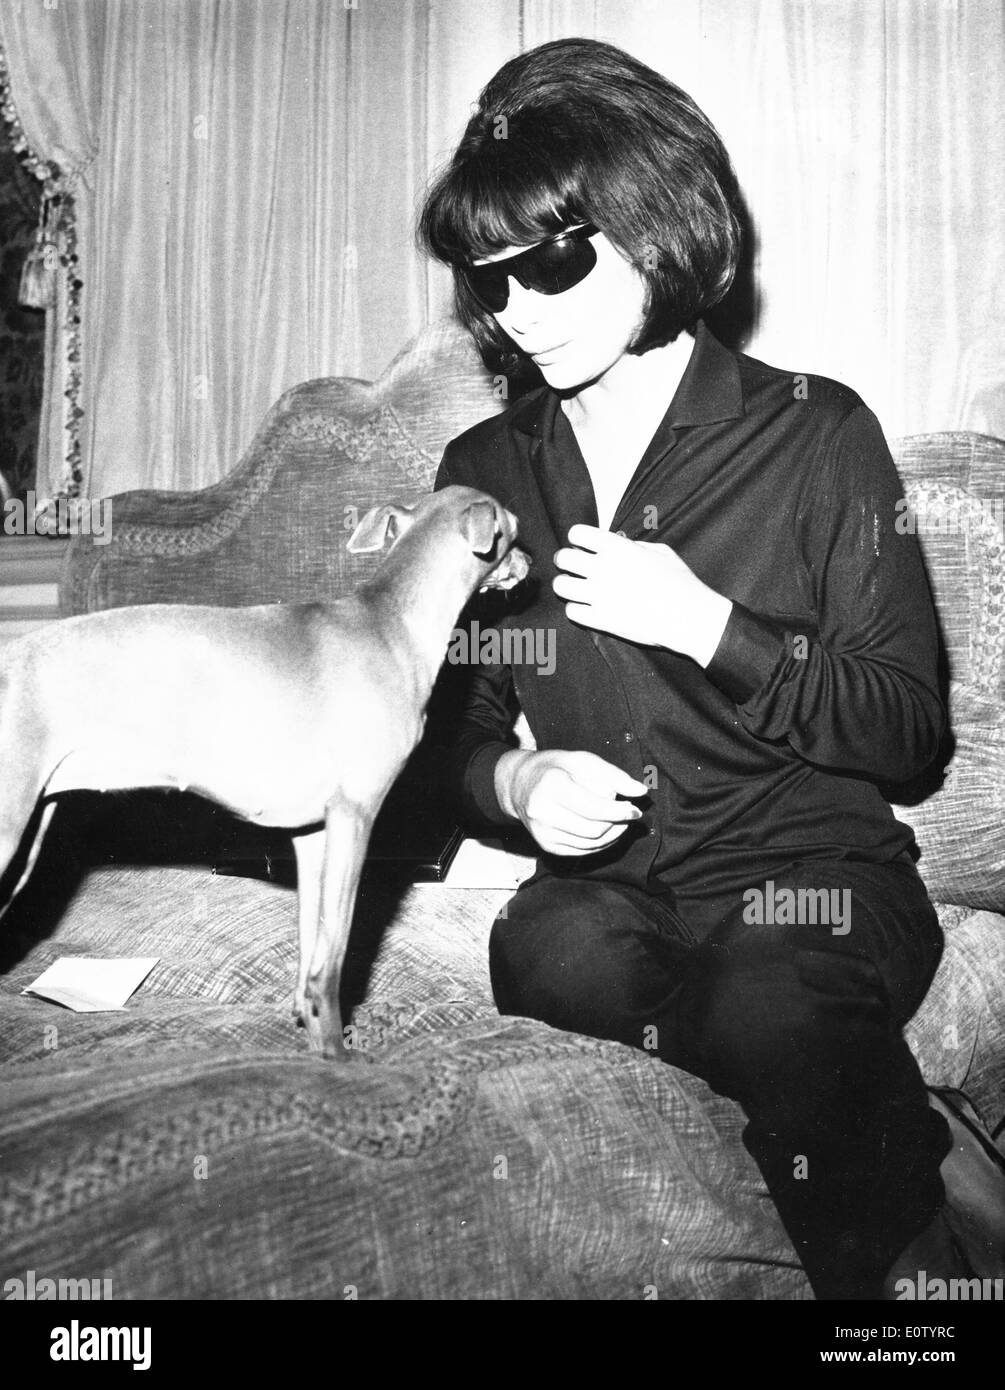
x=191, y=1147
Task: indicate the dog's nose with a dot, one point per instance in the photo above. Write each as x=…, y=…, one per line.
x=511, y=569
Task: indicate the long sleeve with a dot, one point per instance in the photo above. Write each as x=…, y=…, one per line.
x=488, y=709
x=861, y=694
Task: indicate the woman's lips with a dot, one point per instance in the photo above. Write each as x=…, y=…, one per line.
x=547, y=352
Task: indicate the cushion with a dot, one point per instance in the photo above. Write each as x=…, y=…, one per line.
x=190, y=1146
x=453, y=1165
x=960, y=827
x=193, y=1148
x=958, y=1034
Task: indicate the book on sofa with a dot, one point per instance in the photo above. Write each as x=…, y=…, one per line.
x=416, y=836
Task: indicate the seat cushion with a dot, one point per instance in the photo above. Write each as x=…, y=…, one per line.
x=191, y=1146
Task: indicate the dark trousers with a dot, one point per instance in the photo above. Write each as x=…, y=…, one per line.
x=798, y=1022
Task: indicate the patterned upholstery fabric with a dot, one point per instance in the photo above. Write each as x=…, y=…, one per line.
x=274, y=529
x=961, y=826
x=464, y=1156
x=957, y=481
x=959, y=513
x=191, y=1147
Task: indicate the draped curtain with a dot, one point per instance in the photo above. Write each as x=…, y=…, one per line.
x=243, y=178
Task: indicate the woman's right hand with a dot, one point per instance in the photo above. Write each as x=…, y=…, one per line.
x=567, y=800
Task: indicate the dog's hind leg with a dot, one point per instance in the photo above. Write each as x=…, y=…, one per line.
x=25, y=767
x=309, y=849
x=19, y=784
x=14, y=820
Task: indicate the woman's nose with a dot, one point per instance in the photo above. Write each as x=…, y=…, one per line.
x=523, y=308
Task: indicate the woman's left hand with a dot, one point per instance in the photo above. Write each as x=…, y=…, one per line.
x=641, y=591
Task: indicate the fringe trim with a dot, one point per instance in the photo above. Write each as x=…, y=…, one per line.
x=56, y=188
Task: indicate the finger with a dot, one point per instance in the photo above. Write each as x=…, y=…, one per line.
x=593, y=538
x=589, y=815
x=588, y=616
x=660, y=545
x=558, y=843
x=598, y=775
x=575, y=561
x=585, y=616
x=572, y=587
x=574, y=830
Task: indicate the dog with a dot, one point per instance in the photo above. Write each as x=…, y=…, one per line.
x=298, y=716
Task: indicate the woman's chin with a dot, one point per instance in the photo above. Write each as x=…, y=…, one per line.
x=563, y=376
x=570, y=371
x=556, y=377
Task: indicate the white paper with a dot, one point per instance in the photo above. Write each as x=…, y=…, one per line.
x=488, y=864
x=90, y=985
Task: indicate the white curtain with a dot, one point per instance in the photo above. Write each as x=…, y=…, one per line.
x=246, y=173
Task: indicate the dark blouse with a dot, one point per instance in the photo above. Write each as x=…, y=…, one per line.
x=779, y=491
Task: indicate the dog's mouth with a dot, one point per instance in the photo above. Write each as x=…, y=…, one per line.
x=511, y=570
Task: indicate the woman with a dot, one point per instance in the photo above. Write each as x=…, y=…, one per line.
x=745, y=646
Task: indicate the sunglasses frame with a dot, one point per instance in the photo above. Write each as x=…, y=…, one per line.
x=515, y=265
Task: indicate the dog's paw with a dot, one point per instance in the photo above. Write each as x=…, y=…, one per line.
x=315, y=1033
x=323, y=1022
x=336, y=1050
x=298, y=1010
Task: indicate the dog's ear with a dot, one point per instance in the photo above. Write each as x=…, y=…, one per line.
x=479, y=526
x=381, y=526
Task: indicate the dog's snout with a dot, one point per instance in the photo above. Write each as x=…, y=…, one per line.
x=511, y=569
x=519, y=562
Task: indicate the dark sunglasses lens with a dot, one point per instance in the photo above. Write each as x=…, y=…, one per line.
x=559, y=265
x=551, y=268
x=489, y=285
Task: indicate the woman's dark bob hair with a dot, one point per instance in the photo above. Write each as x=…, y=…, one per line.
x=578, y=131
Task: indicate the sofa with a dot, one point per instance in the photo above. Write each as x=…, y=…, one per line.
x=191, y=1147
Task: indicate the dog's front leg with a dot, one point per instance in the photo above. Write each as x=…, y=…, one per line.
x=309, y=848
x=347, y=833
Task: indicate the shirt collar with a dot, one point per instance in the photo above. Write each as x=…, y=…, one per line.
x=709, y=391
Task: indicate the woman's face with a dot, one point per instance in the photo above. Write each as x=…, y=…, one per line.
x=578, y=335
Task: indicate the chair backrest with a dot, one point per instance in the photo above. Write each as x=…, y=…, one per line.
x=955, y=484
x=274, y=529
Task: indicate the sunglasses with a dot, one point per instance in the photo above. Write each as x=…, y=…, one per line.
x=551, y=267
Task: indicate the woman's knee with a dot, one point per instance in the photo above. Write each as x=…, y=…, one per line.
x=543, y=958
x=578, y=954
